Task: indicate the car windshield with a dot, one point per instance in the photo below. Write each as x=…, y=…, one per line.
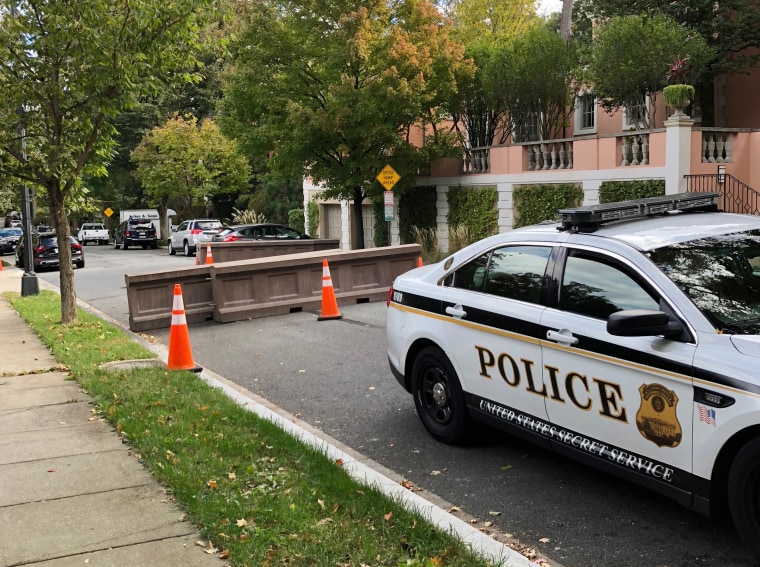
x=721, y=275
x=139, y=222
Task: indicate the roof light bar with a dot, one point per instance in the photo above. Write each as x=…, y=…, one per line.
x=591, y=218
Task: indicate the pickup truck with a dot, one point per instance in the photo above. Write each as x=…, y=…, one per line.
x=92, y=232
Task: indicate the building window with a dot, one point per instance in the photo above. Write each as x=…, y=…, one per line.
x=636, y=117
x=530, y=129
x=585, y=114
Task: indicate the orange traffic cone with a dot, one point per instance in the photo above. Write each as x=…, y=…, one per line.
x=329, y=303
x=180, y=353
x=419, y=262
x=209, y=257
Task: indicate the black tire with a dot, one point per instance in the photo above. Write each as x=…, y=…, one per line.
x=115, y=245
x=186, y=249
x=124, y=244
x=744, y=495
x=438, y=397
x=172, y=251
x=80, y=265
x=154, y=245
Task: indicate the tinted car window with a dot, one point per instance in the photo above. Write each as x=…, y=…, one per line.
x=517, y=272
x=284, y=232
x=472, y=274
x=208, y=225
x=597, y=289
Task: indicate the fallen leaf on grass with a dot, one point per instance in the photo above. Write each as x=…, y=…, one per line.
x=388, y=516
x=211, y=484
x=544, y=540
x=242, y=522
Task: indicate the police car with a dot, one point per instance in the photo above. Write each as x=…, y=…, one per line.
x=625, y=335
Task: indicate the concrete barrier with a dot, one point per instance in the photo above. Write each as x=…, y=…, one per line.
x=250, y=249
x=150, y=296
x=260, y=287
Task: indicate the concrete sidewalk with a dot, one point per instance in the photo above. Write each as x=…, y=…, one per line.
x=71, y=494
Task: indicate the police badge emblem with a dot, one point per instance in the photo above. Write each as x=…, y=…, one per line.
x=656, y=419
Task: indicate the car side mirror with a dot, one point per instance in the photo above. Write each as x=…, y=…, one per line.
x=643, y=323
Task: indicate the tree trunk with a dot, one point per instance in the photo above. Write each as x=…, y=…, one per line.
x=358, y=228
x=66, y=269
x=565, y=29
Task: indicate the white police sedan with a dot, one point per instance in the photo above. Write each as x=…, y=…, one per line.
x=626, y=335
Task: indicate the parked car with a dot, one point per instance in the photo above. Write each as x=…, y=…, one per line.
x=261, y=231
x=192, y=233
x=92, y=232
x=9, y=238
x=45, y=251
x=135, y=231
x=626, y=336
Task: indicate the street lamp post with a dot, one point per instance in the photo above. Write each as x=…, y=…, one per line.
x=29, y=283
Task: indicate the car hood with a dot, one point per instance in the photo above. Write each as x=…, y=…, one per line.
x=747, y=344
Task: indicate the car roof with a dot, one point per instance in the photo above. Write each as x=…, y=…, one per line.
x=645, y=224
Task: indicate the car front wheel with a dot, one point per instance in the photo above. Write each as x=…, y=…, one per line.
x=115, y=244
x=186, y=248
x=744, y=495
x=172, y=251
x=438, y=397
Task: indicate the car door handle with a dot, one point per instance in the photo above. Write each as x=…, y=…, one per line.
x=562, y=336
x=456, y=311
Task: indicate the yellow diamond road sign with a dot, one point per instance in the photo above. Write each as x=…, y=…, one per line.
x=108, y=212
x=388, y=177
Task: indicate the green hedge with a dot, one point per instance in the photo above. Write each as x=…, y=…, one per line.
x=382, y=236
x=535, y=203
x=312, y=208
x=295, y=219
x=614, y=191
x=416, y=209
x=474, y=209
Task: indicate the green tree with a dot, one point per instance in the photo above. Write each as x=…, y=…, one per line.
x=188, y=163
x=333, y=90
x=539, y=81
x=630, y=56
x=492, y=22
x=69, y=66
x=731, y=29
x=524, y=72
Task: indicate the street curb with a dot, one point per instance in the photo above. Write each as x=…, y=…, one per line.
x=358, y=466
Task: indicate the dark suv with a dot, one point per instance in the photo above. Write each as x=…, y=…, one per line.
x=135, y=231
x=45, y=251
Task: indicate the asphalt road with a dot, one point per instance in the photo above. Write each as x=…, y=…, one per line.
x=334, y=375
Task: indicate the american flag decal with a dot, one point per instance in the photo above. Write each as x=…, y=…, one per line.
x=707, y=415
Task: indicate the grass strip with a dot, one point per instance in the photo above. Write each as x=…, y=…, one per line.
x=260, y=496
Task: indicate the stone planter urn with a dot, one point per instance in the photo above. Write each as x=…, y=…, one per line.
x=678, y=97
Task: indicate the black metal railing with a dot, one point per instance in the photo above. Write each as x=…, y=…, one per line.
x=735, y=195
